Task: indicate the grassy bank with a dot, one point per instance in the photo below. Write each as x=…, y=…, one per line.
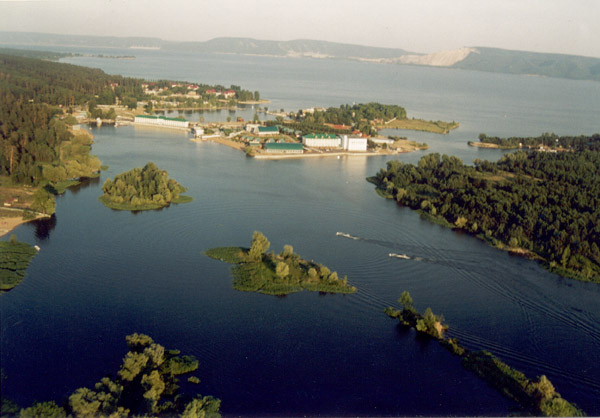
x=437, y=127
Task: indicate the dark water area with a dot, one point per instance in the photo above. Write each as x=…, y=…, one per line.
x=102, y=274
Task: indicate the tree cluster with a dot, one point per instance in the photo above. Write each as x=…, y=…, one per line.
x=143, y=386
x=257, y=270
x=546, y=203
x=546, y=140
x=141, y=188
x=359, y=116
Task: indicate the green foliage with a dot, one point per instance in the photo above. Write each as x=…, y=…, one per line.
x=260, y=244
x=202, y=407
x=546, y=140
x=133, y=363
x=406, y=301
x=43, y=202
x=538, y=396
x=43, y=410
x=138, y=342
x=520, y=200
x=194, y=380
x=231, y=255
x=14, y=258
x=141, y=189
x=145, y=386
x=180, y=365
x=277, y=274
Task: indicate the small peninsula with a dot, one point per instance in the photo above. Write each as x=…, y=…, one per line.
x=144, y=188
x=256, y=270
x=15, y=256
x=537, y=397
x=145, y=385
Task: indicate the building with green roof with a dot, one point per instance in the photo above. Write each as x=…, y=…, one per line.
x=161, y=121
x=284, y=148
x=267, y=130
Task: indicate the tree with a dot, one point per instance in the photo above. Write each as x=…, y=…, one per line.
x=288, y=251
x=260, y=244
x=43, y=202
x=406, y=301
x=282, y=270
x=256, y=96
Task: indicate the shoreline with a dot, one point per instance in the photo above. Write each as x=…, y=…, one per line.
x=264, y=156
x=8, y=224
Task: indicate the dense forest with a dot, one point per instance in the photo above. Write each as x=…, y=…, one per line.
x=142, y=189
x=145, y=385
x=546, y=140
x=547, y=204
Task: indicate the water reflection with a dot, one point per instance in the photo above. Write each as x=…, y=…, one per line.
x=43, y=227
x=84, y=183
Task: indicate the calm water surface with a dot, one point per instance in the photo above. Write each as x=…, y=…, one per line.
x=103, y=274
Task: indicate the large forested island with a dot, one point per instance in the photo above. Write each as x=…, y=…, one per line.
x=540, y=204
x=145, y=385
x=536, y=397
x=256, y=270
x=142, y=188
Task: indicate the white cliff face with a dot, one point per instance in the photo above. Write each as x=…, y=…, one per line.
x=438, y=59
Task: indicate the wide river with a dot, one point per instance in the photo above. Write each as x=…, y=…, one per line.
x=103, y=274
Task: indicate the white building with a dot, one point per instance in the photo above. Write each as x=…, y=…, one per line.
x=161, y=121
x=354, y=144
x=321, y=141
x=198, y=131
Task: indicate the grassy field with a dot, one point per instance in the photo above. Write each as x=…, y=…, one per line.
x=437, y=127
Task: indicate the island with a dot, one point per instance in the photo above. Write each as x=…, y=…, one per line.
x=145, y=385
x=537, y=397
x=546, y=141
x=541, y=205
x=15, y=257
x=255, y=270
x=142, y=188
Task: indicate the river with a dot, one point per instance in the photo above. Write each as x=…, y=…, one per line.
x=103, y=274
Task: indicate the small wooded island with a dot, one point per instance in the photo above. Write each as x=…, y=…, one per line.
x=142, y=189
x=256, y=270
x=537, y=397
x=15, y=256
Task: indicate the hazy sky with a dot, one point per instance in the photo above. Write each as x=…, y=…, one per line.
x=562, y=26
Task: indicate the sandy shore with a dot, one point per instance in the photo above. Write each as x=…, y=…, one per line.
x=7, y=224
